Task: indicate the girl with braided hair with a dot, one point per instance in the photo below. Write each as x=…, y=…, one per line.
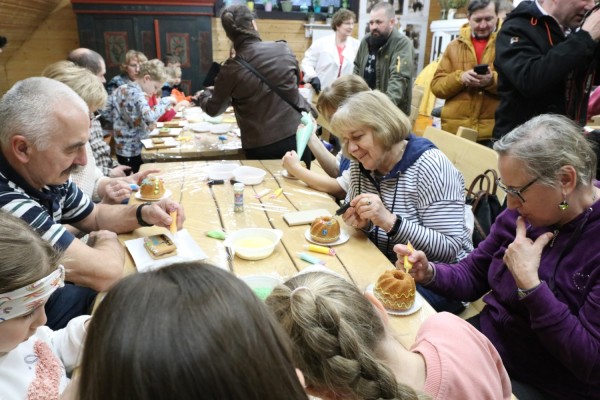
x=267, y=122
x=345, y=348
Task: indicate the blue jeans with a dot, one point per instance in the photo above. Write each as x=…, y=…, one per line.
x=440, y=303
x=67, y=303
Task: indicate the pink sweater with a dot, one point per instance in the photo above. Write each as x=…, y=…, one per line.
x=460, y=362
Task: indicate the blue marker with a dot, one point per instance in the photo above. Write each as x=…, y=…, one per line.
x=310, y=259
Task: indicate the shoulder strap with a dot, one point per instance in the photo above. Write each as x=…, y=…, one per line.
x=272, y=87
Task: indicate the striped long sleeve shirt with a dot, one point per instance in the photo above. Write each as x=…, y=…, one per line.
x=427, y=192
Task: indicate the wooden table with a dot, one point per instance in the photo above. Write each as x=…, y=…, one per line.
x=208, y=208
x=199, y=146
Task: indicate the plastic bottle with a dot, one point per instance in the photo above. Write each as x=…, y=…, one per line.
x=238, y=197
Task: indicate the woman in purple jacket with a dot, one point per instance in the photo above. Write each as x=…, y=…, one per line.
x=540, y=265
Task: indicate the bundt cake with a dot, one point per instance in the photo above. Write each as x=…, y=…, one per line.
x=325, y=230
x=396, y=290
x=152, y=188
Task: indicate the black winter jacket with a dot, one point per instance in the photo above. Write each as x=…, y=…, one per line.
x=540, y=70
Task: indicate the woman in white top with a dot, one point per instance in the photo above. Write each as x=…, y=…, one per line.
x=331, y=56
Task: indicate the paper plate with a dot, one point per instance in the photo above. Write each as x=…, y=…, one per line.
x=220, y=129
x=201, y=127
x=344, y=237
x=168, y=193
x=415, y=307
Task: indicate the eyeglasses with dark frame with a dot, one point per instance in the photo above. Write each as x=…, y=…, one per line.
x=516, y=192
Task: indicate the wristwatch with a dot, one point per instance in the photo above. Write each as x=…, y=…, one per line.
x=138, y=214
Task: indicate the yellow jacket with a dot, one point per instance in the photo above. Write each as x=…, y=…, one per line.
x=466, y=106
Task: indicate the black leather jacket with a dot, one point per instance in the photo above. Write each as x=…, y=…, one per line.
x=264, y=118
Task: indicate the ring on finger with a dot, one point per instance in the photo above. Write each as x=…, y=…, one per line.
x=368, y=202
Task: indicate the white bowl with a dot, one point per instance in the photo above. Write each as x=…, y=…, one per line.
x=221, y=171
x=220, y=129
x=253, y=243
x=249, y=175
x=261, y=285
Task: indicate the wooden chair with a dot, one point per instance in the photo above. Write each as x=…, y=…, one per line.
x=467, y=133
x=470, y=158
x=417, y=96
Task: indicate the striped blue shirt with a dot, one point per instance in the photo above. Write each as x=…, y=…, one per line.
x=428, y=194
x=45, y=210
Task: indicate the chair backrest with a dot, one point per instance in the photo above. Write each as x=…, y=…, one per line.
x=417, y=96
x=470, y=158
x=467, y=133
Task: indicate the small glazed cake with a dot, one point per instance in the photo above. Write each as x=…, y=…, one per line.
x=325, y=230
x=396, y=290
x=164, y=131
x=152, y=188
x=160, y=246
x=157, y=141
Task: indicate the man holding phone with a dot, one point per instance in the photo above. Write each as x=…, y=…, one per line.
x=464, y=76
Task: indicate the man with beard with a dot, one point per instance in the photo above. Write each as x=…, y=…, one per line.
x=385, y=57
x=44, y=126
x=546, y=59
x=471, y=98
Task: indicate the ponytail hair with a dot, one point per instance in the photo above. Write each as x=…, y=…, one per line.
x=335, y=331
x=237, y=22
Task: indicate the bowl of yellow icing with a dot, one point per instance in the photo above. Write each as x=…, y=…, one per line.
x=253, y=243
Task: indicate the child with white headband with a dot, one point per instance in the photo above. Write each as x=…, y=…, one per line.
x=34, y=360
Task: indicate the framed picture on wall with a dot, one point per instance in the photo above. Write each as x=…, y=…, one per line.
x=178, y=44
x=115, y=48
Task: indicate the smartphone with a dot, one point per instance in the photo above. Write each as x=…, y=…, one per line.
x=481, y=69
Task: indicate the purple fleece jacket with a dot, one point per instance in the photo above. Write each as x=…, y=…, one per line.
x=550, y=338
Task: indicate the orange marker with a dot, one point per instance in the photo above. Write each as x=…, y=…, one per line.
x=407, y=264
x=173, y=227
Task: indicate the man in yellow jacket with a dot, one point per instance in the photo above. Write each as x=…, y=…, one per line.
x=470, y=91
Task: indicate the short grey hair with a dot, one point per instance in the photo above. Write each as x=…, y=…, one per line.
x=387, y=7
x=547, y=143
x=29, y=109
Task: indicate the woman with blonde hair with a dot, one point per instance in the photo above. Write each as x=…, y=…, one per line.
x=402, y=188
x=345, y=348
x=336, y=167
x=129, y=70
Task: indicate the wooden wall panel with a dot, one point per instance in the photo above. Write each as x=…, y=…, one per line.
x=50, y=42
x=290, y=31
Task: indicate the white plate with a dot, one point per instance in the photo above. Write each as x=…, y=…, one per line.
x=344, y=237
x=415, y=307
x=187, y=250
x=201, y=127
x=220, y=129
x=168, y=142
x=167, y=194
x=287, y=175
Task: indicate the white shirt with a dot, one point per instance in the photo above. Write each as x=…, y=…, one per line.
x=323, y=61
